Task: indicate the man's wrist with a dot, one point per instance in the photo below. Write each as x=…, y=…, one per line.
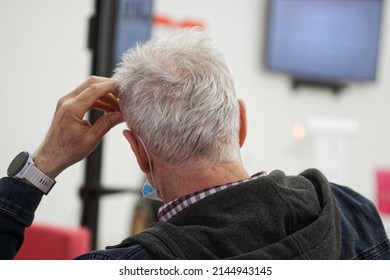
x=46, y=165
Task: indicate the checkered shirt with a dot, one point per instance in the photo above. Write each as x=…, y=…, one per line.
x=174, y=207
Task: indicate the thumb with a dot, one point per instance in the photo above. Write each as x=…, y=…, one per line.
x=105, y=123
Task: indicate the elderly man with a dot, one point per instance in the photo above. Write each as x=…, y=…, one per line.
x=186, y=127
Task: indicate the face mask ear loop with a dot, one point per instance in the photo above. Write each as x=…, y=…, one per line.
x=150, y=162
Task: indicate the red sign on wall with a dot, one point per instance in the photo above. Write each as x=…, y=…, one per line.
x=383, y=190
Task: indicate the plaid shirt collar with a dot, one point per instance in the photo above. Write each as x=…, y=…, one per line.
x=174, y=207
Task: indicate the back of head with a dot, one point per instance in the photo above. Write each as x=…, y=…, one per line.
x=178, y=95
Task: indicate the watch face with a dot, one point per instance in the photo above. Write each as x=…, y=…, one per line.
x=17, y=164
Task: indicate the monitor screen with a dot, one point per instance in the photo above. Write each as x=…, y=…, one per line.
x=132, y=24
x=329, y=40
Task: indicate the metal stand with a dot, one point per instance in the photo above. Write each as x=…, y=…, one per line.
x=335, y=87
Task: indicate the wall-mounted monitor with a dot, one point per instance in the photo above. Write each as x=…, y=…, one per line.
x=133, y=22
x=324, y=40
x=117, y=26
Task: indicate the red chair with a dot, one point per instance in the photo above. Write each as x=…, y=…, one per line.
x=383, y=190
x=47, y=242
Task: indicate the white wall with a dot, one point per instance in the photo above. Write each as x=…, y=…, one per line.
x=43, y=55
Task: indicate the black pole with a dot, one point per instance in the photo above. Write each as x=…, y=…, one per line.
x=101, y=43
x=89, y=192
x=100, y=34
x=92, y=177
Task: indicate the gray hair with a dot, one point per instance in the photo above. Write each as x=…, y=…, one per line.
x=178, y=95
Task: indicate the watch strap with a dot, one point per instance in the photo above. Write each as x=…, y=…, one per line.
x=38, y=179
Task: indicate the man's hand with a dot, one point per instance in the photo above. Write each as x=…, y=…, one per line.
x=71, y=138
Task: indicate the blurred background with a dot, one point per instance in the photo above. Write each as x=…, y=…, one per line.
x=44, y=55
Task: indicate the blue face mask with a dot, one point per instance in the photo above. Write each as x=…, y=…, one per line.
x=148, y=191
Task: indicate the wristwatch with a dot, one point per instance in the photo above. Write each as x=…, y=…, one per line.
x=22, y=167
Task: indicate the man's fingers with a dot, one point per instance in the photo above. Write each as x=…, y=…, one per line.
x=105, y=123
x=111, y=100
x=94, y=92
x=101, y=106
x=87, y=83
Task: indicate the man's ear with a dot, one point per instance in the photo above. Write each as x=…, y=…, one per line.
x=138, y=150
x=243, y=122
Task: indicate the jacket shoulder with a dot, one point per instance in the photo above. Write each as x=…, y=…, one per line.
x=363, y=233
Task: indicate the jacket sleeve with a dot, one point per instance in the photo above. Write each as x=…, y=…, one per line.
x=18, y=202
